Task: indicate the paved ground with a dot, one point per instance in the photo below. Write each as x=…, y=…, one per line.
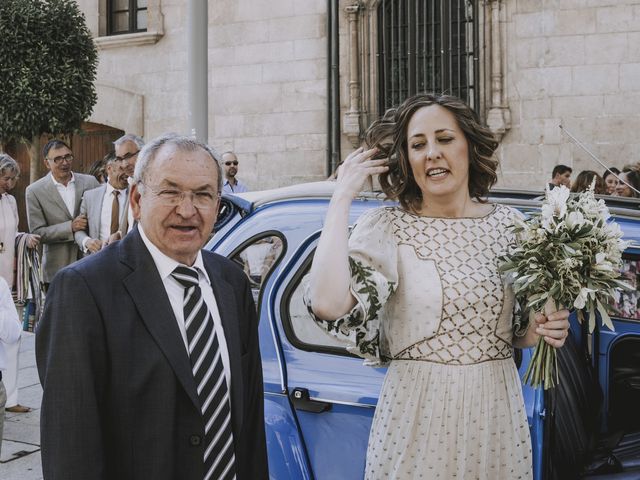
x=20, y=459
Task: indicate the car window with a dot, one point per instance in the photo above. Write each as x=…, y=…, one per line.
x=298, y=323
x=257, y=257
x=627, y=304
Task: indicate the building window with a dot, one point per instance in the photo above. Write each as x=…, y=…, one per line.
x=427, y=46
x=126, y=16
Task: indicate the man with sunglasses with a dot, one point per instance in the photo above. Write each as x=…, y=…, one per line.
x=53, y=208
x=231, y=184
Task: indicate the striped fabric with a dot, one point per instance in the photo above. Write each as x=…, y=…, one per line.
x=208, y=371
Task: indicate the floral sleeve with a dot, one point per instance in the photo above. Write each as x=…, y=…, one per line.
x=373, y=266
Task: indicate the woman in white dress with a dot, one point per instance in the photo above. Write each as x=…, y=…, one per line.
x=417, y=287
x=9, y=171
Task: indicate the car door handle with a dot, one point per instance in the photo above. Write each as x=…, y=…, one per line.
x=301, y=401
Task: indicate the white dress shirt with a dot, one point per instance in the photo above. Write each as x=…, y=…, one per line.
x=9, y=323
x=175, y=292
x=105, y=214
x=67, y=192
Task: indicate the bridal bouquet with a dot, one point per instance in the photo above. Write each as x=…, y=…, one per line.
x=565, y=256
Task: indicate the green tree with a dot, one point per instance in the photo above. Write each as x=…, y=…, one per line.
x=47, y=70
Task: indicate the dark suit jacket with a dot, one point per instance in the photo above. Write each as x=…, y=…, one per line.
x=119, y=397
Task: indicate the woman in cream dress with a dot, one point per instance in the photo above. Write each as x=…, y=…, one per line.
x=9, y=171
x=417, y=287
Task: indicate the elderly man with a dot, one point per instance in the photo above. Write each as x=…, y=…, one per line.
x=106, y=208
x=127, y=148
x=231, y=184
x=148, y=350
x=53, y=208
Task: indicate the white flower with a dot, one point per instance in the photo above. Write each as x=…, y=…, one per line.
x=603, y=210
x=575, y=219
x=600, y=256
x=555, y=203
x=612, y=229
x=581, y=300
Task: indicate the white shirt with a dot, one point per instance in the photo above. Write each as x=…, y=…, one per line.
x=105, y=214
x=130, y=220
x=67, y=192
x=9, y=323
x=175, y=292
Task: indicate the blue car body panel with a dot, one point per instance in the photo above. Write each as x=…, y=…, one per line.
x=287, y=454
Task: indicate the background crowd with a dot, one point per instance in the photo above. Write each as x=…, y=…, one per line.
x=614, y=182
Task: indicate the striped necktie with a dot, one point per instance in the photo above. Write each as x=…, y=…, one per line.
x=208, y=371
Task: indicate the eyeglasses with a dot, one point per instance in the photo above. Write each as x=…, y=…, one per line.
x=171, y=197
x=127, y=156
x=234, y=162
x=62, y=158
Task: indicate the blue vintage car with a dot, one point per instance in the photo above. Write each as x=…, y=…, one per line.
x=320, y=400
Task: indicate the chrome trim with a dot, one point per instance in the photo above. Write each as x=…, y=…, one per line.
x=339, y=402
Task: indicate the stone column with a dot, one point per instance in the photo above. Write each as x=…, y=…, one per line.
x=498, y=116
x=351, y=120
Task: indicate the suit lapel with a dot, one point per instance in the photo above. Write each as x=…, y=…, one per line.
x=96, y=211
x=79, y=186
x=51, y=191
x=149, y=295
x=226, y=301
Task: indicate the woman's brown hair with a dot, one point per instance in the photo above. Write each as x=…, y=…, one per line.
x=583, y=182
x=389, y=135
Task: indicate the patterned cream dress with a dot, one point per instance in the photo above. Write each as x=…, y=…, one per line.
x=433, y=307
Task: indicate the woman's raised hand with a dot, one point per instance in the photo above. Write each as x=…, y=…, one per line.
x=357, y=168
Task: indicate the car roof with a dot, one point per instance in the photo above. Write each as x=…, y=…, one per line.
x=625, y=210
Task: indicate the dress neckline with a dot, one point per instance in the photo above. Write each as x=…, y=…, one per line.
x=429, y=217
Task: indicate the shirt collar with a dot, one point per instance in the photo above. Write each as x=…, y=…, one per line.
x=57, y=183
x=111, y=189
x=165, y=264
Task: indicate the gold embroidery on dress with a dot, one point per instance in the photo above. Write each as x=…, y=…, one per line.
x=465, y=253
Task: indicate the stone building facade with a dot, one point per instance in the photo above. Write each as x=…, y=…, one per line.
x=541, y=63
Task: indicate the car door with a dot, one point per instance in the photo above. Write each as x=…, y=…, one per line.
x=618, y=353
x=303, y=442
x=333, y=394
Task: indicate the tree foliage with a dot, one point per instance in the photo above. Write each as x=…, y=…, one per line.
x=47, y=68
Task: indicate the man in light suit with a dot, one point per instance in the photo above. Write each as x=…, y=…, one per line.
x=106, y=209
x=148, y=350
x=53, y=207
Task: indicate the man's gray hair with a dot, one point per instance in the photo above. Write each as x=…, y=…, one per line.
x=180, y=142
x=129, y=137
x=8, y=164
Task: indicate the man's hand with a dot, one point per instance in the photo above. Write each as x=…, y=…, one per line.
x=114, y=237
x=94, y=245
x=79, y=223
x=32, y=240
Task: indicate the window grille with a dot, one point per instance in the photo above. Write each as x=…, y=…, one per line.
x=427, y=46
x=126, y=16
